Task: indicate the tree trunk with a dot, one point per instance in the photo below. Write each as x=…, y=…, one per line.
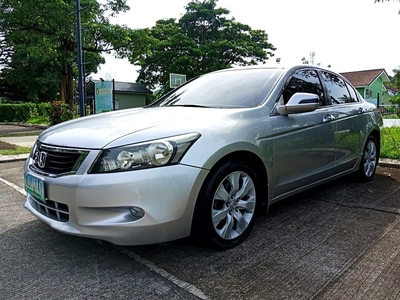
x=63, y=88
x=70, y=86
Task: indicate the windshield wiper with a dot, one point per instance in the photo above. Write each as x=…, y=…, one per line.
x=191, y=105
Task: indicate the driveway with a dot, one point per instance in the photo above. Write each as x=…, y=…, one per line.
x=338, y=241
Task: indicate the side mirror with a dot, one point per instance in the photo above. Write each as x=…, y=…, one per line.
x=299, y=103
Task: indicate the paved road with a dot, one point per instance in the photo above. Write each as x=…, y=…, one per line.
x=338, y=241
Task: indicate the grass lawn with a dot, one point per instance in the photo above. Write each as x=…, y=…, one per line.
x=390, y=144
x=10, y=149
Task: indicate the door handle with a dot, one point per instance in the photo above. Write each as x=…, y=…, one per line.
x=361, y=110
x=328, y=118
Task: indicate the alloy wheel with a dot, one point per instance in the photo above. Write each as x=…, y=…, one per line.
x=370, y=158
x=233, y=205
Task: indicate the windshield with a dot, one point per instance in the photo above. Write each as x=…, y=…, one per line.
x=228, y=89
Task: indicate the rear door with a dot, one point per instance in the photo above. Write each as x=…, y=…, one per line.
x=348, y=114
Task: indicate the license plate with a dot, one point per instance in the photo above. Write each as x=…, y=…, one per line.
x=34, y=186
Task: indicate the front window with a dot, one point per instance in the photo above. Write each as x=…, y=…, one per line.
x=227, y=89
x=304, y=81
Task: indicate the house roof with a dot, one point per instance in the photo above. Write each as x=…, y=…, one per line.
x=366, y=77
x=131, y=87
x=392, y=89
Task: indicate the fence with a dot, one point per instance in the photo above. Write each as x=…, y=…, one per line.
x=390, y=110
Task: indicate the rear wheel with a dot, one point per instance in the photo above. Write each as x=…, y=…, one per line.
x=226, y=208
x=369, y=160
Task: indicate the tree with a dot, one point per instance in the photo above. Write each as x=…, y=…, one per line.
x=38, y=42
x=5, y=50
x=396, y=78
x=203, y=40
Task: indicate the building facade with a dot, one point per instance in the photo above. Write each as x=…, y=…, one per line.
x=371, y=85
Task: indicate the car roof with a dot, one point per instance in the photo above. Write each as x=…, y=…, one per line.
x=286, y=68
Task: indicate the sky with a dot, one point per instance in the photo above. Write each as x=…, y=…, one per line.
x=348, y=35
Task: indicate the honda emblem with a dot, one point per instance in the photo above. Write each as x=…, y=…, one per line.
x=41, y=159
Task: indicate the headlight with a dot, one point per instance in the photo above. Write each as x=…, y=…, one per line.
x=144, y=155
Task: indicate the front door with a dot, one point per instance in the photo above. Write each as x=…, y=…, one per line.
x=304, y=148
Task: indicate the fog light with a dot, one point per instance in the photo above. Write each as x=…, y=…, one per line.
x=137, y=212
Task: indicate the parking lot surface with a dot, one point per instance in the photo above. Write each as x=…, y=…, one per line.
x=338, y=241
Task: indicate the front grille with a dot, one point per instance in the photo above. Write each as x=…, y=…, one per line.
x=50, y=160
x=51, y=209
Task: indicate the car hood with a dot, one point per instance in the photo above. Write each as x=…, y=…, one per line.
x=98, y=131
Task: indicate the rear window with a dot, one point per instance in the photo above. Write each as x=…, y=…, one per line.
x=337, y=89
x=229, y=89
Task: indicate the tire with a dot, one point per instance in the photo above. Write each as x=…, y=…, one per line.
x=369, y=160
x=226, y=208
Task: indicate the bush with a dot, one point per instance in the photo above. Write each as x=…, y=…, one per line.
x=43, y=110
x=60, y=112
x=16, y=112
x=56, y=112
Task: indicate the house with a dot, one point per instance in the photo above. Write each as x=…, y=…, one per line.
x=392, y=91
x=130, y=94
x=120, y=94
x=370, y=84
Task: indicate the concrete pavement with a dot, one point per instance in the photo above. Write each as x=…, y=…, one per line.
x=19, y=134
x=338, y=241
x=24, y=141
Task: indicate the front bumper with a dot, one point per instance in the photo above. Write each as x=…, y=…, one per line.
x=97, y=205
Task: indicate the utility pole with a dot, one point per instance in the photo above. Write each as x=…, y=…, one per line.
x=79, y=45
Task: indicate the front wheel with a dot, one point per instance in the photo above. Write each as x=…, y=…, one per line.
x=369, y=160
x=226, y=208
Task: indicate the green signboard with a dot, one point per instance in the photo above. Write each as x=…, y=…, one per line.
x=103, y=96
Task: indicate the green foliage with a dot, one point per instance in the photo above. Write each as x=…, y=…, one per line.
x=203, y=40
x=395, y=100
x=390, y=145
x=40, y=120
x=60, y=112
x=42, y=110
x=393, y=116
x=22, y=112
x=391, y=112
x=396, y=78
x=395, y=110
x=16, y=112
x=17, y=150
x=38, y=43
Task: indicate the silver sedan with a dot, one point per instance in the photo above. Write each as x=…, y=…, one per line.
x=205, y=159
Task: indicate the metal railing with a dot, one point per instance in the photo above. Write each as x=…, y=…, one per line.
x=390, y=110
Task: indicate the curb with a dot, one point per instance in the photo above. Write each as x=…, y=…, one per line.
x=38, y=126
x=391, y=163
x=13, y=158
